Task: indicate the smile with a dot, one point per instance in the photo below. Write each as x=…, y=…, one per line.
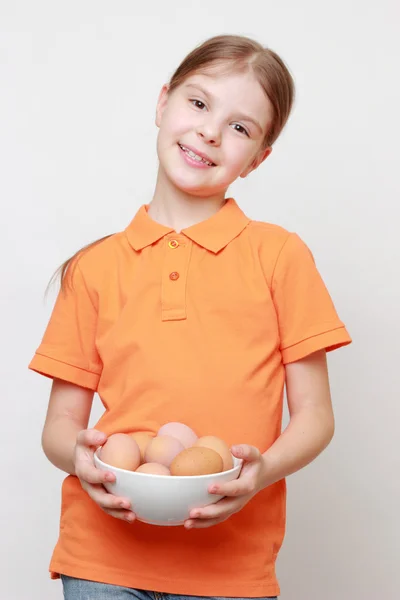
x=196, y=157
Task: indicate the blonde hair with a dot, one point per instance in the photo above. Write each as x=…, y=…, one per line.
x=237, y=53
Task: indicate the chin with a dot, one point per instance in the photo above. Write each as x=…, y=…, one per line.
x=189, y=182
x=198, y=191
x=194, y=188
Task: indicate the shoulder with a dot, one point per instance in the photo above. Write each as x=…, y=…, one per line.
x=274, y=238
x=94, y=262
x=262, y=232
x=277, y=248
x=269, y=239
x=105, y=250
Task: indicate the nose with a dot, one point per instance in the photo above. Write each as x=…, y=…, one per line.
x=210, y=132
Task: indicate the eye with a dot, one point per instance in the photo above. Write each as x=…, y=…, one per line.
x=240, y=129
x=197, y=103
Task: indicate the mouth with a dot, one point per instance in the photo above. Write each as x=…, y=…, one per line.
x=198, y=157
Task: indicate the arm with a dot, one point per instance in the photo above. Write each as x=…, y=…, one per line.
x=311, y=425
x=67, y=414
x=70, y=446
x=309, y=431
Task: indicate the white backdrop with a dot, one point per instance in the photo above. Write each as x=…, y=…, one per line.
x=79, y=83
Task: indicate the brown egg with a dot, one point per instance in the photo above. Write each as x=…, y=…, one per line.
x=215, y=443
x=121, y=450
x=196, y=461
x=181, y=432
x=153, y=469
x=142, y=439
x=163, y=449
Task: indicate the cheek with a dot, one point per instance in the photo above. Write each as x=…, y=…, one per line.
x=175, y=122
x=166, y=137
x=237, y=156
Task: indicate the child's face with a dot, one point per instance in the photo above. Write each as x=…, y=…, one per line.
x=224, y=117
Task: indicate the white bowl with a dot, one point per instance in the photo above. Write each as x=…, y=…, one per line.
x=163, y=499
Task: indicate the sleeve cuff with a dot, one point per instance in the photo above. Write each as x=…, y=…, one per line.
x=53, y=368
x=329, y=340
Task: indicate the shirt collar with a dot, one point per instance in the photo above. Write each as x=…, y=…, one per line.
x=213, y=234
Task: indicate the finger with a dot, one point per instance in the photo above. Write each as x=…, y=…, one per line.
x=124, y=515
x=91, y=438
x=114, y=506
x=246, y=452
x=199, y=524
x=87, y=472
x=106, y=500
x=235, y=488
x=222, y=508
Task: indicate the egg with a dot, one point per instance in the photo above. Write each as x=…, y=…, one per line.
x=196, y=461
x=181, y=432
x=153, y=469
x=163, y=449
x=142, y=439
x=121, y=451
x=215, y=443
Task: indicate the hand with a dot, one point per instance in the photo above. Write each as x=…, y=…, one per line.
x=92, y=479
x=237, y=493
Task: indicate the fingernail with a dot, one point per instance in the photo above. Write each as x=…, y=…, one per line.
x=129, y=518
x=194, y=515
x=238, y=450
x=124, y=505
x=188, y=525
x=213, y=490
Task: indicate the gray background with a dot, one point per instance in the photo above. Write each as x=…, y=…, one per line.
x=79, y=83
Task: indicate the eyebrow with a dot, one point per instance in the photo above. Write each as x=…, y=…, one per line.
x=240, y=116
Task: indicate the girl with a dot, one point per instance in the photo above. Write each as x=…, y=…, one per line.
x=194, y=313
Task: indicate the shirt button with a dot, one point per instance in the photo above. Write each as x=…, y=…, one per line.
x=174, y=275
x=173, y=243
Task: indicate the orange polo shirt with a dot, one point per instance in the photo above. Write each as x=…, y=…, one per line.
x=193, y=327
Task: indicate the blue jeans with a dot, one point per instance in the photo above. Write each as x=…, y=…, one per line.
x=81, y=589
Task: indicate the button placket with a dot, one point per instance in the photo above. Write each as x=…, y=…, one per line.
x=173, y=289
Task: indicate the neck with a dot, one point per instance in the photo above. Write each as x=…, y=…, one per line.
x=176, y=209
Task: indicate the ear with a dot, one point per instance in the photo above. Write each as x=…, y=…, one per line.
x=161, y=103
x=260, y=157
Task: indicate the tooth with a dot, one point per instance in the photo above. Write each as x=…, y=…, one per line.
x=195, y=156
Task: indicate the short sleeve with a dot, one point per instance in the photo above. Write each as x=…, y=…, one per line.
x=306, y=315
x=68, y=348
